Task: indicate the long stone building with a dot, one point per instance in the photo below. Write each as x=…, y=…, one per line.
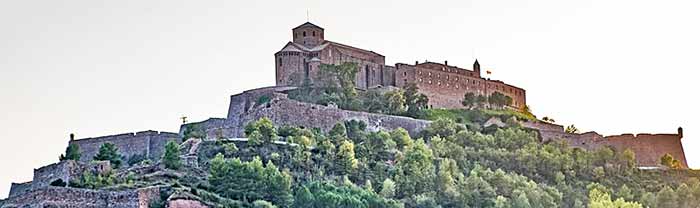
x=445, y=85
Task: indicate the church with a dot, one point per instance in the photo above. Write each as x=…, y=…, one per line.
x=444, y=85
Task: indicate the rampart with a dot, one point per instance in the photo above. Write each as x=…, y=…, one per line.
x=147, y=143
x=648, y=148
x=73, y=197
x=63, y=171
x=269, y=102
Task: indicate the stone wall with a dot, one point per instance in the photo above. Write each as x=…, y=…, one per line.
x=20, y=188
x=446, y=85
x=147, y=143
x=286, y=112
x=64, y=170
x=648, y=148
x=73, y=197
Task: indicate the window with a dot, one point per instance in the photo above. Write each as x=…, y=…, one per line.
x=404, y=74
x=313, y=33
x=280, y=61
x=304, y=33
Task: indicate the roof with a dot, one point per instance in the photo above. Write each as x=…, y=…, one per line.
x=307, y=24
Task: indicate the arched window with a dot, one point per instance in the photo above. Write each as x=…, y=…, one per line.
x=304, y=33
x=280, y=61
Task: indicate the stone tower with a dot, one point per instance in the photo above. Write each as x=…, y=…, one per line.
x=477, y=68
x=308, y=35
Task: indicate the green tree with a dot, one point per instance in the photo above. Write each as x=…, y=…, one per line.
x=625, y=193
x=346, y=158
x=668, y=161
x=171, y=157
x=388, y=189
x=262, y=130
x=469, y=100
x=571, y=129
x=666, y=198
x=416, y=102
x=72, y=153
x=600, y=199
x=109, y=152
x=396, y=102
x=416, y=172
x=521, y=201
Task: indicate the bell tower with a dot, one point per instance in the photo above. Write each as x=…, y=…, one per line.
x=477, y=68
x=308, y=35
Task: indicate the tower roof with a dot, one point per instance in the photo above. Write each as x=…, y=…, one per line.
x=307, y=24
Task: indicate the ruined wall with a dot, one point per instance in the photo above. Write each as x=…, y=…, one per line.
x=64, y=170
x=72, y=197
x=147, y=143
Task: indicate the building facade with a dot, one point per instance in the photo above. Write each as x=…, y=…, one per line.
x=299, y=60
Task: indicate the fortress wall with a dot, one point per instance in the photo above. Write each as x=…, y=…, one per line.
x=73, y=197
x=147, y=143
x=64, y=170
x=20, y=188
x=648, y=147
x=284, y=111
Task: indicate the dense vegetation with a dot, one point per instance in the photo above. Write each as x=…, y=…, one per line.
x=448, y=166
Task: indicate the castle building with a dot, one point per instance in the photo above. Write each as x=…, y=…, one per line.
x=445, y=85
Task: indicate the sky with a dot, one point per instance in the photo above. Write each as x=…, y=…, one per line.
x=97, y=68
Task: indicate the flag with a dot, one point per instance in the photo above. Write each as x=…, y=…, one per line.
x=488, y=72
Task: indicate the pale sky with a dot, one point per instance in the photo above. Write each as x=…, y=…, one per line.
x=98, y=68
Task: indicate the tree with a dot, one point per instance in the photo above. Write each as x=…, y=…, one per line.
x=521, y=201
x=625, y=193
x=388, y=189
x=499, y=100
x=415, y=101
x=261, y=131
x=396, y=102
x=668, y=161
x=469, y=100
x=340, y=80
x=72, y=153
x=401, y=138
x=171, y=158
x=571, y=129
x=109, y=152
x=666, y=198
x=249, y=180
x=600, y=199
x=346, y=158
x=416, y=172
